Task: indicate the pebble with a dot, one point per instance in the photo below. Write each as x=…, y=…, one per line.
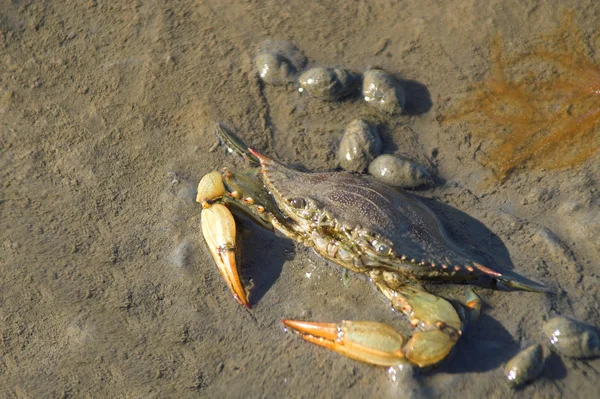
x=572, y=338
x=328, y=84
x=383, y=91
x=279, y=61
x=359, y=146
x=398, y=171
x=525, y=366
x=274, y=69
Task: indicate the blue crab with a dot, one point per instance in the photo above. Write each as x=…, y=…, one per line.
x=365, y=226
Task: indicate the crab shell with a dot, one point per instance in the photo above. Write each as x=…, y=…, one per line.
x=362, y=224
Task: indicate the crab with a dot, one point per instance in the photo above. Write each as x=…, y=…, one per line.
x=388, y=234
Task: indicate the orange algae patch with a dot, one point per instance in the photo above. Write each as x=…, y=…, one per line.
x=538, y=109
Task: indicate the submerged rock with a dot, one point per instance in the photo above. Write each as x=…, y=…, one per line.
x=572, y=338
x=274, y=69
x=360, y=144
x=525, y=366
x=328, y=84
x=383, y=91
x=398, y=171
x=279, y=61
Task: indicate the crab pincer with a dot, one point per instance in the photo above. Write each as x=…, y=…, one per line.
x=219, y=230
x=377, y=343
x=437, y=325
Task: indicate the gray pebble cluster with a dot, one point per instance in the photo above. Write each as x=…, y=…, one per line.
x=567, y=337
x=280, y=62
x=360, y=148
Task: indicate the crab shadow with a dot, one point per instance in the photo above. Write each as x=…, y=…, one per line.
x=264, y=254
x=484, y=347
x=471, y=235
x=418, y=99
x=478, y=241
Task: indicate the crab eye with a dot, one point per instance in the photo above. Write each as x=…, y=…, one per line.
x=298, y=203
x=382, y=249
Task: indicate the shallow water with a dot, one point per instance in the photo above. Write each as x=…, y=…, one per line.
x=106, y=118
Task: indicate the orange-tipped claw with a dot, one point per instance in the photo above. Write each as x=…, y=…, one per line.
x=218, y=228
x=262, y=158
x=366, y=341
x=328, y=331
x=228, y=269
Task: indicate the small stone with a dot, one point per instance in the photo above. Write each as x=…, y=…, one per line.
x=525, y=366
x=398, y=171
x=274, y=69
x=383, y=91
x=360, y=144
x=170, y=60
x=328, y=84
x=279, y=61
x=572, y=338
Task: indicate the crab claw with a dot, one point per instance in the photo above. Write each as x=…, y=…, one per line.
x=218, y=228
x=262, y=158
x=366, y=341
x=377, y=343
x=438, y=328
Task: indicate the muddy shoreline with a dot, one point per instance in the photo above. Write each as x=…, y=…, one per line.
x=106, y=120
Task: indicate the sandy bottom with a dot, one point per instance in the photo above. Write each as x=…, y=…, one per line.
x=107, y=112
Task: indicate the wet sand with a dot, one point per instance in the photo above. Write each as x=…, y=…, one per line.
x=107, y=112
